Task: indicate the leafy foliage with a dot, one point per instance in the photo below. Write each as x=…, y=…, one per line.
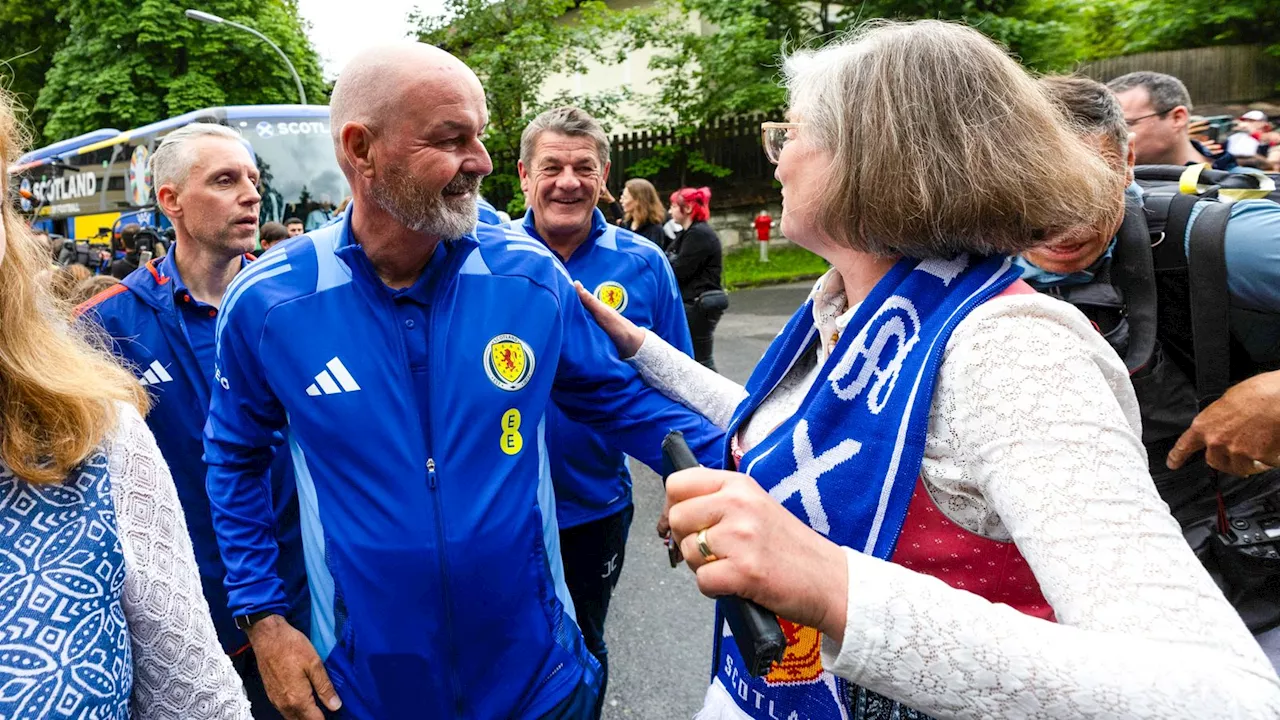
x=514, y=46
x=1170, y=25
x=126, y=63
x=30, y=33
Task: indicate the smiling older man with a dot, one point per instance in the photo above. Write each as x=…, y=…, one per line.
x=564, y=164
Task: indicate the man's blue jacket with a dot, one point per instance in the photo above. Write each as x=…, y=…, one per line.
x=429, y=527
x=148, y=332
x=633, y=276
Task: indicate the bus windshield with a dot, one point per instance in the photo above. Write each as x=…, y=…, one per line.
x=300, y=175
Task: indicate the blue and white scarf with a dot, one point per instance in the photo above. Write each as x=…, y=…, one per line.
x=848, y=460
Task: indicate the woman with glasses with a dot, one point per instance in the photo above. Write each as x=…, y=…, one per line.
x=102, y=613
x=936, y=479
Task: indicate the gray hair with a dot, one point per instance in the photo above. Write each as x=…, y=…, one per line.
x=1090, y=106
x=565, y=120
x=171, y=162
x=1167, y=92
x=939, y=143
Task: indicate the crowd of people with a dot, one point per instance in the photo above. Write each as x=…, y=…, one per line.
x=379, y=471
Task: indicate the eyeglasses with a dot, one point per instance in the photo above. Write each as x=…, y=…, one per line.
x=1137, y=120
x=776, y=135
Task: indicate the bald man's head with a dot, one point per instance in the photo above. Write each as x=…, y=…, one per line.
x=407, y=120
x=371, y=87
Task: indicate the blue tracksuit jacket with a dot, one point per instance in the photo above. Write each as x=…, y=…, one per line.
x=431, y=543
x=171, y=352
x=632, y=275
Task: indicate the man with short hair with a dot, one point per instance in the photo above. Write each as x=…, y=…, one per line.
x=1157, y=110
x=413, y=355
x=563, y=167
x=272, y=233
x=122, y=266
x=295, y=226
x=161, y=319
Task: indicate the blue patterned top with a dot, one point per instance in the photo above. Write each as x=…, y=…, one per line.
x=64, y=643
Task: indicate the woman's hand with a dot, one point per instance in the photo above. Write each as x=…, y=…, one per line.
x=763, y=552
x=626, y=335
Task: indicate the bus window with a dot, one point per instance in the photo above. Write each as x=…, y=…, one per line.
x=300, y=175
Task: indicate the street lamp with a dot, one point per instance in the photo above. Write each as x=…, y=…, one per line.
x=212, y=19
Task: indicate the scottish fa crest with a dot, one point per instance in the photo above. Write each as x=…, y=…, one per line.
x=612, y=294
x=508, y=361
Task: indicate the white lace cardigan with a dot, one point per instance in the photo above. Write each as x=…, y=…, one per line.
x=179, y=669
x=1033, y=438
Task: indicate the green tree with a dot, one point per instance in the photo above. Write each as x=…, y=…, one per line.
x=130, y=62
x=514, y=46
x=1168, y=25
x=1043, y=34
x=30, y=32
x=716, y=59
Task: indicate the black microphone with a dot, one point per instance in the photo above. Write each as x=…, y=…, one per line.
x=755, y=630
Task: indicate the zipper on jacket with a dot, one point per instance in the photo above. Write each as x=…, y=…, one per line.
x=444, y=590
x=433, y=480
x=433, y=484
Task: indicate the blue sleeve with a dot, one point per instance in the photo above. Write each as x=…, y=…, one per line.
x=1252, y=254
x=239, y=440
x=594, y=387
x=669, y=322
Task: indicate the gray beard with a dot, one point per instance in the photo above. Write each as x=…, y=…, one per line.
x=425, y=212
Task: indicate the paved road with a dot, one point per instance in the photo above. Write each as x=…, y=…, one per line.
x=659, y=627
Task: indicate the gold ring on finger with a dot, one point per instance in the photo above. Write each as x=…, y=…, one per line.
x=704, y=548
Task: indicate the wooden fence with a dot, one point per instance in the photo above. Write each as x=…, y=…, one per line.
x=732, y=143
x=1213, y=75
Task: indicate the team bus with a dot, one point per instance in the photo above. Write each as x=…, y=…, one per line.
x=87, y=187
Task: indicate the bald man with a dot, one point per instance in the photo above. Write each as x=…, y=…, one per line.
x=413, y=356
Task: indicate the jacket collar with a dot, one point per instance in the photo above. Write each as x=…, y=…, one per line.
x=158, y=282
x=350, y=252
x=598, y=228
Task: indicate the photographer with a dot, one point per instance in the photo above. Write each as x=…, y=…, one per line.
x=1108, y=272
x=122, y=266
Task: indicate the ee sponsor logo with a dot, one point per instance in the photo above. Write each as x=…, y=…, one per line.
x=511, y=442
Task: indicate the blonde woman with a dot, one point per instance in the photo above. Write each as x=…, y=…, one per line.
x=101, y=607
x=643, y=212
x=940, y=486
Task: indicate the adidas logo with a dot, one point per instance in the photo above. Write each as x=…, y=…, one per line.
x=333, y=380
x=155, y=375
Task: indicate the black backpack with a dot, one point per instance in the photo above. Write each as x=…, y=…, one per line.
x=1240, y=543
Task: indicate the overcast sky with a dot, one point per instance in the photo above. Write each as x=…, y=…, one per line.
x=342, y=28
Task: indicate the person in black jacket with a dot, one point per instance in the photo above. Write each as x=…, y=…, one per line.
x=698, y=263
x=643, y=212
x=127, y=263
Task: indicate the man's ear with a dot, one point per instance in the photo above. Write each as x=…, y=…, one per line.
x=1130, y=161
x=523, y=172
x=357, y=147
x=167, y=199
x=1181, y=116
